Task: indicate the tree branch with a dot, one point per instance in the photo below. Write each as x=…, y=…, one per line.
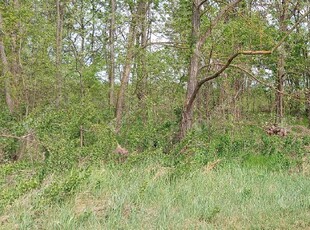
x=201, y=3
x=218, y=18
x=289, y=32
x=215, y=75
x=255, y=52
x=224, y=67
x=172, y=44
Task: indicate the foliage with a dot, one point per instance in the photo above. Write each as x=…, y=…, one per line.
x=58, y=144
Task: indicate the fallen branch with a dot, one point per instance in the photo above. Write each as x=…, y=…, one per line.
x=15, y=137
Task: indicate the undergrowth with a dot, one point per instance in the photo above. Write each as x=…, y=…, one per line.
x=216, y=171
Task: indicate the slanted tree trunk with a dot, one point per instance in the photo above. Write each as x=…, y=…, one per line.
x=126, y=73
x=133, y=30
x=197, y=42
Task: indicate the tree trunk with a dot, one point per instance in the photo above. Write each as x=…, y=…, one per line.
x=197, y=42
x=308, y=105
x=136, y=16
x=187, y=113
x=208, y=100
x=59, y=29
x=6, y=73
x=279, y=92
x=142, y=39
x=125, y=74
x=281, y=64
x=112, y=53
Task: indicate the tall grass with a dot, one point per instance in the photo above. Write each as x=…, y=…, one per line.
x=155, y=196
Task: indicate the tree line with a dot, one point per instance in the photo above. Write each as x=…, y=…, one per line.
x=194, y=59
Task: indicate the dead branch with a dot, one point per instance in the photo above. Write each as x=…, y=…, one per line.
x=15, y=137
x=255, y=52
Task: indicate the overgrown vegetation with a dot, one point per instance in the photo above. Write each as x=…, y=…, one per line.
x=206, y=181
x=153, y=114
x=156, y=193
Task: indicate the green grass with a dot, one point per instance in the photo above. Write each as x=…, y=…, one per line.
x=152, y=195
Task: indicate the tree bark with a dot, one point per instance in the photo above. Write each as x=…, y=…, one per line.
x=281, y=64
x=139, y=14
x=59, y=29
x=187, y=113
x=126, y=73
x=141, y=68
x=112, y=53
x=6, y=73
x=197, y=42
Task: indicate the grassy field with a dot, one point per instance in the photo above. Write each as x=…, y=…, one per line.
x=154, y=195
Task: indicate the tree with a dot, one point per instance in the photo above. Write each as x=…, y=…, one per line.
x=198, y=39
x=112, y=51
x=137, y=13
x=59, y=29
x=6, y=71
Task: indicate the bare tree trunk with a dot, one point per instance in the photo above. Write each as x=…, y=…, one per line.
x=141, y=40
x=199, y=106
x=112, y=53
x=80, y=69
x=126, y=73
x=59, y=29
x=187, y=114
x=279, y=92
x=224, y=93
x=6, y=73
x=238, y=88
x=281, y=63
x=307, y=96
